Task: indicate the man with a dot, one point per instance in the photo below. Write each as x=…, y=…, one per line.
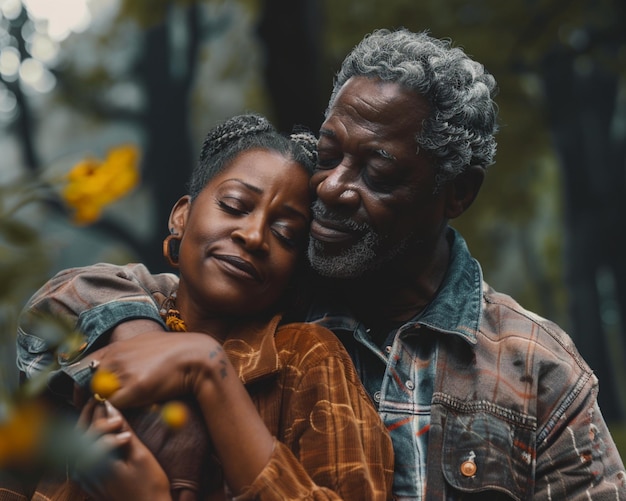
x=480, y=395
x=483, y=399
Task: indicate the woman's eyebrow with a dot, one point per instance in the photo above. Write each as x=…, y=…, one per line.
x=251, y=187
x=293, y=211
x=289, y=208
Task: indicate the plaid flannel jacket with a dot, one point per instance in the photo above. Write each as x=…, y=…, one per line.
x=483, y=399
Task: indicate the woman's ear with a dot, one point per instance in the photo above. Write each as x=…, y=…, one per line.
x=462, y=191
x=179, y=215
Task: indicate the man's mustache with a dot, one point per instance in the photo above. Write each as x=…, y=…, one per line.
x=320, y=211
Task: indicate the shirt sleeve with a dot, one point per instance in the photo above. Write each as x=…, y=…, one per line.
x=334, y=445
x=578, y=458
x=92, y=300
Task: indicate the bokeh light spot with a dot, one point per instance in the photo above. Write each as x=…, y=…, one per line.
x=9, y=63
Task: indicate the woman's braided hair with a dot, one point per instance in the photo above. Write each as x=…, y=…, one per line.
x=247, y=132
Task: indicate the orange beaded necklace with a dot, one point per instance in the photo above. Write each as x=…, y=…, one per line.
x=171, y=316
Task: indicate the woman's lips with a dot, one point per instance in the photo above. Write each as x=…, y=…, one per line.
x=239, y=265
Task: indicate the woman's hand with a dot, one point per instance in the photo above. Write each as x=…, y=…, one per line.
x=154, y=367
x=116, y=465
x=157, y=366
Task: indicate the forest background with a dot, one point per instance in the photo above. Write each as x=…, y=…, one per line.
x=81, y=77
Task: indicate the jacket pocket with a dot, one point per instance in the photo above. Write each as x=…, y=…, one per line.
x=485, y=453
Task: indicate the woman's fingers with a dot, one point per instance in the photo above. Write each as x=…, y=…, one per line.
x=84, y=419
x=151, y=367
x=110, y=442
x=106, y=436
x=117, y=465
x=104, y=429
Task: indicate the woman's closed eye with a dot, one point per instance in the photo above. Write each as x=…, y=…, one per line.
x=289, y=236
x=232, y=206
x=285, y=231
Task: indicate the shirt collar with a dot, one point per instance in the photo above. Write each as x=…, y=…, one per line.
x=457, y=307
x=253, y=352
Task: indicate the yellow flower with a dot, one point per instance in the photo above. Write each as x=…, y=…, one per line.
x=93, y=184
x=174, y=414
x=104, y=383
x=21, y=434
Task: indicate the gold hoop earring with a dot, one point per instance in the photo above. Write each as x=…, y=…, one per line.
x=171, y=249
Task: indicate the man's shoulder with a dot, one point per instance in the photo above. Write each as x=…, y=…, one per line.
x=139, y=273
x=506, y=320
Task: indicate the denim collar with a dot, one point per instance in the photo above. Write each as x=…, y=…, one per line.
x=456, y=309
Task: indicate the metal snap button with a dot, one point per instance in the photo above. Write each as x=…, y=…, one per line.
x=377, y=396
x=468, y=468
x=409, y=384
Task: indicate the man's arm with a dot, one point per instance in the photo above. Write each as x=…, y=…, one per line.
x=578, y=458
x=101, y=301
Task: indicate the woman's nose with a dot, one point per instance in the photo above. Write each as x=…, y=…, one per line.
x=336, y=186
x=252, y=234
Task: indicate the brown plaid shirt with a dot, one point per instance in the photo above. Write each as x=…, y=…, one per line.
x=330, y=442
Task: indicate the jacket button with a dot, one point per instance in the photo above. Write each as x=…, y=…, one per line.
x=468, y=468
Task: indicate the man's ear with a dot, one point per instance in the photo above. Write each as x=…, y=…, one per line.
x=179, y=215
x=462, y=191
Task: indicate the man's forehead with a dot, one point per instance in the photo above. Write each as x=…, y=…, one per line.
x=364, y=100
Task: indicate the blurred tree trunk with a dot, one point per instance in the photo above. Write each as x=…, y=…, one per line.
x=581, y=104
x=23, y=124
x=167, y=72
x=291, y=33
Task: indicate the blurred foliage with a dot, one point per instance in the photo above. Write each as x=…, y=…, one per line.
x=23, y=259
x=26, y=429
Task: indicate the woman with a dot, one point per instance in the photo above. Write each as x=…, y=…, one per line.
x=286, y=415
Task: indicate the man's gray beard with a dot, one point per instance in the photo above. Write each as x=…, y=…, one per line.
x=364, y=256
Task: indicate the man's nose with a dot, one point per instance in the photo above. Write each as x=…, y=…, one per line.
x=336, y=186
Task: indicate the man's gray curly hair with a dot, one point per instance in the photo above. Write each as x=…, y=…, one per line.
x=462, y=122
